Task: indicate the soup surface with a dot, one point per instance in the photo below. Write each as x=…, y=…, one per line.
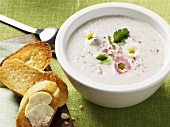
x=94, y=53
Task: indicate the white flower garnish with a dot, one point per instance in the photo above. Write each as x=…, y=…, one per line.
x=90, y=37
x=131, y=49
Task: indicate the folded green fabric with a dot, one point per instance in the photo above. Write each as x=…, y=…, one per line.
x=9, y=105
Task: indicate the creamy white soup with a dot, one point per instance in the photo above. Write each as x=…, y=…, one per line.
x=137, y=55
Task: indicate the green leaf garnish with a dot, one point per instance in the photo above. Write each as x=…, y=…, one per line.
x=102, y=57
x=121, y=34
x=110, y=41
x=122, y=42
x=105, y=61
x=111, y=55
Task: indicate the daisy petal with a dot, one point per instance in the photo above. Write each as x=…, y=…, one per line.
x=122, y=65
x=90, y=37
x=131, y=49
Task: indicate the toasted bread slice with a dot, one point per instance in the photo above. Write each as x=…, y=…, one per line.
x=19, y=77
x=44, y=86
x=36, y=55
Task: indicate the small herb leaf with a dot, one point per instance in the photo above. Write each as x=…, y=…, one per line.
x=102, y=57
x=120, y=35
x=105, y=61
x=110, y=41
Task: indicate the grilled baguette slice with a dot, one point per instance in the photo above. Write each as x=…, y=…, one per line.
x=44, y=86
x=19, y=77
x=36, y=55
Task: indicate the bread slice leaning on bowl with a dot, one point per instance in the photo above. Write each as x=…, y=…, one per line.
x=36, y=108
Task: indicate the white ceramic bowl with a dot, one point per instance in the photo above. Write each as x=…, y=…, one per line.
x=107, y=95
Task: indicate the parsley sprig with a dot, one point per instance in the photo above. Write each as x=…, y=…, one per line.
x=119, y=37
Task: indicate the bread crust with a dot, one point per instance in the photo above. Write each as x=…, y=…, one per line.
x=44, y=86
x=36, y=55
x=19, y=77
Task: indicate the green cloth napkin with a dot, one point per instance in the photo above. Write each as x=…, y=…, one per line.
x=154, y=112
x=9, y=105
x=8, y=48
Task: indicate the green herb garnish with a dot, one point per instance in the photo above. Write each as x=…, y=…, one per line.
x=103, y=59
x=120, y=35
x=122, y=42
x=111, y=41
x=111, y=55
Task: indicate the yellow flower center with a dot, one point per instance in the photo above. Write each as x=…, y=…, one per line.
x=90, y=36
x=121, y=66
x=131, y=50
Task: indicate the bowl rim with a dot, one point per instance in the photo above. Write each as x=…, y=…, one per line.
x=156, y=79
